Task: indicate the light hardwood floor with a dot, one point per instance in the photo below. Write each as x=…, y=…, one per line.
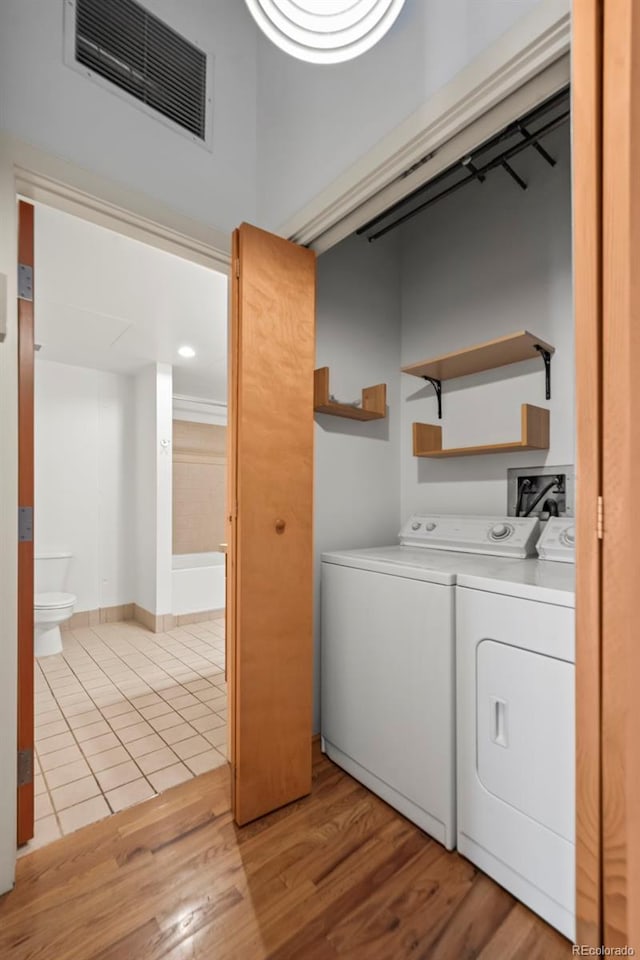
x=337, y=875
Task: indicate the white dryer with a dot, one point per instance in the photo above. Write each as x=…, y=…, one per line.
x=388, y=658
x=516, y=726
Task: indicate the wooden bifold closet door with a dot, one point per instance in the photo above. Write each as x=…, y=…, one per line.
x=270, y=521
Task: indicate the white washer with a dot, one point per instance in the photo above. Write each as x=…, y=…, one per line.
x=516, y=726
x=388, y=658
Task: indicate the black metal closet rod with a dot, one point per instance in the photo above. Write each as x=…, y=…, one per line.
x=478, y=172
x=509, y=131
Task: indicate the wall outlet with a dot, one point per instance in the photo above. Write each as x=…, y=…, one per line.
x=544, y=491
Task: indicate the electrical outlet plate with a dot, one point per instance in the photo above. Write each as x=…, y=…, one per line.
x=540, y=476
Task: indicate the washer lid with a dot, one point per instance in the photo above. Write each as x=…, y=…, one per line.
x=53, y=601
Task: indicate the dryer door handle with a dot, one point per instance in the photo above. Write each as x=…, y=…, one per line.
x=499, y=718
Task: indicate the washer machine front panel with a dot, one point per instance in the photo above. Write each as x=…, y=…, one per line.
x=388, y=677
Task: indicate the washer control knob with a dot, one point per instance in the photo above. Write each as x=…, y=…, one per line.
x=501, y=531
x=416, y=525
x=568, y=536
x=429, y=527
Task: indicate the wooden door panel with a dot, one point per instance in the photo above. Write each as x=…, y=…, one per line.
x=271, y=561
x=621, y=475
x=25, y=548
x=587, y=167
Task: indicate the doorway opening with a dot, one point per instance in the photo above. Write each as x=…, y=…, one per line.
x=129, y=480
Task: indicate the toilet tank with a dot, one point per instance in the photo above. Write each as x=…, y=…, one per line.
x=51, y=571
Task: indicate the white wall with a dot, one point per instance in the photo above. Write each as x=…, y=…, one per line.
x=486, y=262
x=83, y=478
x=153, y=487
x=57, y=109
x=316, y=121
x=357, y=473
x=103, y=481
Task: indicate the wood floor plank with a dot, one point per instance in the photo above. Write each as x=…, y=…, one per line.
x=510, y=936
x=338, y=875
x=473, y=921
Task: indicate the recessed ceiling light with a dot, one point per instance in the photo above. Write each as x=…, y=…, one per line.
x=325, y=31
x=186, y=352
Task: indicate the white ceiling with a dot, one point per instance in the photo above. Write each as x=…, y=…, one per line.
x=106, y=301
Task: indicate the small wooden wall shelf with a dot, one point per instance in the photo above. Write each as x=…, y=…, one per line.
x=374, y=400
x=427, y=438
x=483, y=356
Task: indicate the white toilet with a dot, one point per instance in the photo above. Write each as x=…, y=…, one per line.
x=52, y=606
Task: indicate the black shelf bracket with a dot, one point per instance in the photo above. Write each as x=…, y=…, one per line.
x=546, y=357
x=437, y=386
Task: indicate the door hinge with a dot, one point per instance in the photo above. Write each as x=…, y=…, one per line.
x=25, y=282
x=25, y=767
x=236, y=266
x=25, y=524
x=600, y=518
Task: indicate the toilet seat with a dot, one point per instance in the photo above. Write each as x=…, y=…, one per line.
x=53, y=601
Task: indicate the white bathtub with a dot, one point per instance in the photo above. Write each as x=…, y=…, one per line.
x=197, y=582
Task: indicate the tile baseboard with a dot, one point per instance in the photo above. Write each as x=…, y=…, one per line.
x=157, y=623
x=182, y=619
x=91, y=618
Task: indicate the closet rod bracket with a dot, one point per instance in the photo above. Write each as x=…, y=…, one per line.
x=514, y=176
x=536, y=146
x=546, y=357
x=437, y=386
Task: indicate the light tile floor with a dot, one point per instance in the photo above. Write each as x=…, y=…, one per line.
x=122, y=714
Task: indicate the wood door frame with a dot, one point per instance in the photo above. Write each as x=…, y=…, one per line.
x=587, y=196
x=607, y=247
x=26, y=666
x=621, y=474
x=231, y=581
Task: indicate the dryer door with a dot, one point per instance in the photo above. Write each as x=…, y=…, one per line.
x=525, y=728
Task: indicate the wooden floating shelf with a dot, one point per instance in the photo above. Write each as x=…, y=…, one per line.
x=484, y=356
x=427, y=438
x=374, y=400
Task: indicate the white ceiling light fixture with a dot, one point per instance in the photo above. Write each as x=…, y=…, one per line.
x=187, y=352
x=325, y=31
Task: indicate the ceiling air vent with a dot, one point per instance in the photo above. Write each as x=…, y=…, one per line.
x=122, y=43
